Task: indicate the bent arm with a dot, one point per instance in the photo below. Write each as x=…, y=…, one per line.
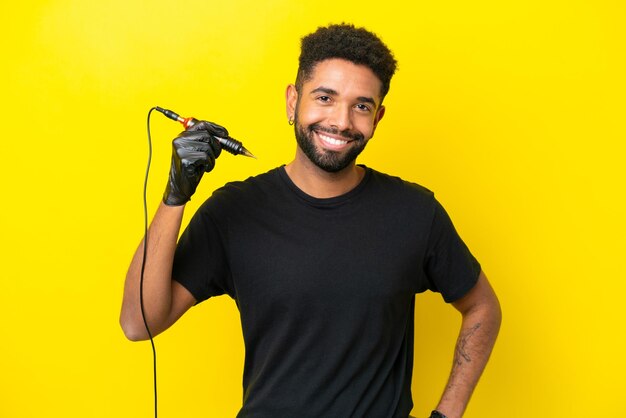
x=164, y=299
x=481, y=322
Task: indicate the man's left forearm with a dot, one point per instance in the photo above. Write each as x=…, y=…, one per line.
x=479, y=329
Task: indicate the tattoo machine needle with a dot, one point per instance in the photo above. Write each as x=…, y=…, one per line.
x=229, y=144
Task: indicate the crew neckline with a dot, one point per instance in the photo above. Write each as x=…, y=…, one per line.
x=326, y=202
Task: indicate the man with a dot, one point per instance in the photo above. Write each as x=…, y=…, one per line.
x=322, y=256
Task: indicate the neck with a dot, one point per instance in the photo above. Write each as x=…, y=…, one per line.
x=321, y=184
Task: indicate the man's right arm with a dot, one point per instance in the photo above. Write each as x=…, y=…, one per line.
x=164, y=300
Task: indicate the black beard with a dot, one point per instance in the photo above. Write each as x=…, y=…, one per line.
x=329, y=161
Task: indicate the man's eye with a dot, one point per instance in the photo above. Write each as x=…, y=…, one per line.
x=362, y=107
x=324, y=99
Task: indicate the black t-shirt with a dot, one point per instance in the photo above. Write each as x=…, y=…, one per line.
x=325, y=288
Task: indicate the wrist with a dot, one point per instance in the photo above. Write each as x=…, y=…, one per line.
x=172, y=197
x=173, y=201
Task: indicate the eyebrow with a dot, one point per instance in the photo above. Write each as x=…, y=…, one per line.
x=333, y=92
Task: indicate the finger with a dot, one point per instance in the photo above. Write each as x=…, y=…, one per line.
x=195, y=162
x=205, y=143
x=193, y=145
x=216, y=147
x=210, y=164
x=202, y=136
x=210, y=127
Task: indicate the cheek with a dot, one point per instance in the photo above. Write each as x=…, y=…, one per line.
x=365, y=126
x=312, y=114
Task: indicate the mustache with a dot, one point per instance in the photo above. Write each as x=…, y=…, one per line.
x=346, y=133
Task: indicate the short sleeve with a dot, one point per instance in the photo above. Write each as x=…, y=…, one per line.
x=200, y=262
x=450, y=267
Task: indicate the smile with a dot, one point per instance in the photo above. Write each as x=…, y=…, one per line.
x=332, y=143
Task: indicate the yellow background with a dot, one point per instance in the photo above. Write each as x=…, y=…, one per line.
x=513, y=112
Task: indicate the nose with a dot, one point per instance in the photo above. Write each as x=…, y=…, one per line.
x=341, y=118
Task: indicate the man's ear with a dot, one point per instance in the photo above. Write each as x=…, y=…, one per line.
x=379, y=115
x=291, y=98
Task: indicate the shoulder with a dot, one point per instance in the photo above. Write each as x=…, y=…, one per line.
x=261, y=183
x=244, y=193
x=395, y=198
x=391, y=186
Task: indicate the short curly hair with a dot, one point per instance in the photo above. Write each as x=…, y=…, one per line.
x=345, y=41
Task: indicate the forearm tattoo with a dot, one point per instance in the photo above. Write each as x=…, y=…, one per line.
x=461, y=353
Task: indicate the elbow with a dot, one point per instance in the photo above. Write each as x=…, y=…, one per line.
x=492, y=317
x=491, y=313
x=134, y=336
x=487, y=312
x=496, y=312
x=499, y=313
x=133, y=332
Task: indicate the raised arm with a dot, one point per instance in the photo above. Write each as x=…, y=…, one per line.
x=481, y=322
x=165, y=300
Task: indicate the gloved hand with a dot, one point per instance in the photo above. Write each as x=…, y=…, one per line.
x=193, y=153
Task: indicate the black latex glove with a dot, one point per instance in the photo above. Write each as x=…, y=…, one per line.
x=193, y=153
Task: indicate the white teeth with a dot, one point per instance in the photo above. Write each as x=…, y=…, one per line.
x=332, y=141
